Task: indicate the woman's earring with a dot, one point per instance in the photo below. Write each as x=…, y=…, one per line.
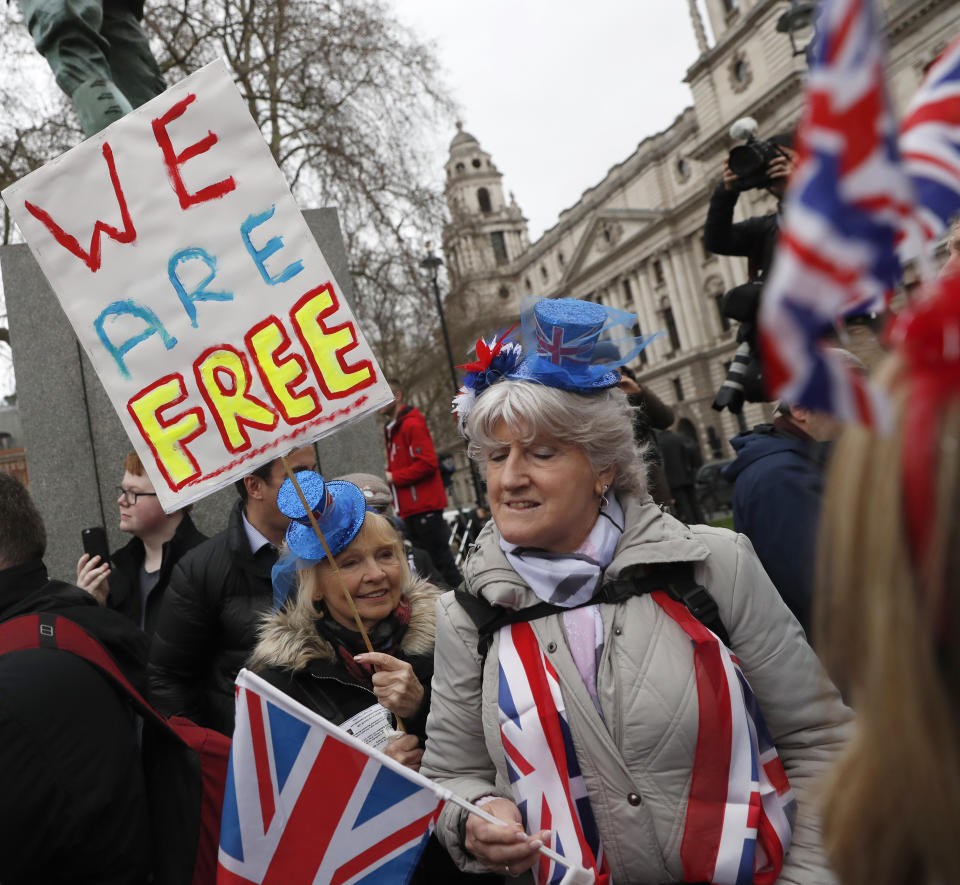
x=604, y=503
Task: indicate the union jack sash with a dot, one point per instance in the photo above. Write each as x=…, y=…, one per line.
x=541, y=762
x=740, y=810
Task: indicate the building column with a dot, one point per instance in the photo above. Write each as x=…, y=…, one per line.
x=688, y=260
x=689, y=294
x=647, y=311
x=688, y=337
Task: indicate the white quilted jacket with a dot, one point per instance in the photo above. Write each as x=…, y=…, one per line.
x=645, y=743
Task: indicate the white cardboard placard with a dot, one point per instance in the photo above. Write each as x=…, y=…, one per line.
x=210, y=314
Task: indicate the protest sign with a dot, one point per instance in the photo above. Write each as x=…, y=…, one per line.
x=190, y=277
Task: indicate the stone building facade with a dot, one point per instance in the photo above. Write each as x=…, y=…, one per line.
x=634, y=240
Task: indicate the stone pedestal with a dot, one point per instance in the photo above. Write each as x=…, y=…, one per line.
x=74, y=441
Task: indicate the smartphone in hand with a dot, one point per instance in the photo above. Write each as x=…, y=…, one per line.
x=95, y=543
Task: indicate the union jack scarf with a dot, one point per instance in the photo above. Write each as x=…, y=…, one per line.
x=740, y=809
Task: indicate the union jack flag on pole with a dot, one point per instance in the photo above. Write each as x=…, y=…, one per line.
x=306, y=802
x=930, y=144
x=848, y=201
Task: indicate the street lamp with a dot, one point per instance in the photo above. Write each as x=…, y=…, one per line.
x=432, y=264
x=798, y=24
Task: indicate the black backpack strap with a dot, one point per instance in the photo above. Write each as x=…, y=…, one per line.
x=488, y=619
x=677, y=581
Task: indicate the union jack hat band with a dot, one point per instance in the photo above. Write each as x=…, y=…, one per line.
x=576, y=345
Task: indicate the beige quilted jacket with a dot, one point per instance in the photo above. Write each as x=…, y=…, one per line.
x=644, y=745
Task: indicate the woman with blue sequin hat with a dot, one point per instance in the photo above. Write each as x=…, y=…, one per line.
x=314, y=646
x=613, y=683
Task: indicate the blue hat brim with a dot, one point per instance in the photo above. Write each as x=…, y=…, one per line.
x=528, y=371
x=350, y=509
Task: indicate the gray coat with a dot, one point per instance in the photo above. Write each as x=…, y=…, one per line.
x=645, y=743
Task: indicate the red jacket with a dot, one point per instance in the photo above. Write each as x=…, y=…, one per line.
x=412, y=462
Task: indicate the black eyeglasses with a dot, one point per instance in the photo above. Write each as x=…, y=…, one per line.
x=130, y=497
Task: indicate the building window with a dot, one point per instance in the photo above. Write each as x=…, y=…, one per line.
x=483, y=198
x=644, y=359
x=627, y=292
x=503, y=292
x=683, y=169
x=527, y=286
x=730, y=6
x=499, y=247
x=658, y=277
x=460, y=167
x=678, y=388
x=475, y=163
x=724, y=321
x=543, y=272
x=560, y=259
x=671, y=325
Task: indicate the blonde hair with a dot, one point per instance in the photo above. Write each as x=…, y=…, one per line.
x=892, y=803
x=599, y=423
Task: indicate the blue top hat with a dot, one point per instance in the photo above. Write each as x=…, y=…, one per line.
x=570, y=345
x=338, y=506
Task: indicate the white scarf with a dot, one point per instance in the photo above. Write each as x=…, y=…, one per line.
x=570, y=579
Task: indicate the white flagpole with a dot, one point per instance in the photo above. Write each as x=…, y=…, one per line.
x=576, y=875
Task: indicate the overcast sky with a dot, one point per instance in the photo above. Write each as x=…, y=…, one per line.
x=558, y=91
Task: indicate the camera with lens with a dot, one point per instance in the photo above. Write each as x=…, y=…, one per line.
x=749, y=161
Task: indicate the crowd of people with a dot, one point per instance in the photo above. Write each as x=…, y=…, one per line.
x=606, y=678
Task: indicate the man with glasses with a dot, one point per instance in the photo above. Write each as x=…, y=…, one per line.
x=134, y=580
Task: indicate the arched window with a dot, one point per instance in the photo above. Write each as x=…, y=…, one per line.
x=460, y=167
x=483, y=198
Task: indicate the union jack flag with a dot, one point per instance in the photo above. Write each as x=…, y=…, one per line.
x=557, y=349
x=930, y=144
x=541, y=762
x=307, y=803
x=741, y=808
x=848, y=201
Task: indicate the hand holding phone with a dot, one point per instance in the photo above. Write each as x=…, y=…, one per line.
x=93, y=568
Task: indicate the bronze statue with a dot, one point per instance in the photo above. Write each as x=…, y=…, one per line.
x=99, y=55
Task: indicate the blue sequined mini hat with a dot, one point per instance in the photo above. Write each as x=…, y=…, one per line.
x=338, y=506
x=567, y=343
x=573, y=344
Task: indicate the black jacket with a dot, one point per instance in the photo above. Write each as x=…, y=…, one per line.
x=125, y=566
x=328, y=689
x=73, y=801
x=207, y=627
x=755, y=238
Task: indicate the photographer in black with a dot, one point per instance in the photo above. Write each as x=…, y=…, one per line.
x=766, y=164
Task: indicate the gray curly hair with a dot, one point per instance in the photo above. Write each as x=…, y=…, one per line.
x=599, y=423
